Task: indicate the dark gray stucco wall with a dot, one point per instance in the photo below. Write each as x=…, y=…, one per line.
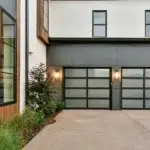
x=99, y=55
x=10, y=6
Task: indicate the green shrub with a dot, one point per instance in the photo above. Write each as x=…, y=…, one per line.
x=60, y=106
x=9, y=139
x=26, y=124
x=42, y=94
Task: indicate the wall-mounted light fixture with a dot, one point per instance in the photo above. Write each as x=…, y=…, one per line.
x=56, y=75
x=116, y=75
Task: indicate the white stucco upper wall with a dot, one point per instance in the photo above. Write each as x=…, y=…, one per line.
x=36, y=46
x=74, y=18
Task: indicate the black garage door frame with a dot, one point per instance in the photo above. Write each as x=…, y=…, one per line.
x=110, y=87
x=144, y=88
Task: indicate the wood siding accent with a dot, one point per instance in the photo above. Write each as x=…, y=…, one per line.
x=6, y=112
x=42, y=34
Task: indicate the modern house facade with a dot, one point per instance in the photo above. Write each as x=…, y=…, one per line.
x=98, y=51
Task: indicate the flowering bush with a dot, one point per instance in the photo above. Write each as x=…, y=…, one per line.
x=42, y=94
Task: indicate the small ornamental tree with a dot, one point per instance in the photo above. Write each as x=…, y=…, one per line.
x=42, y=94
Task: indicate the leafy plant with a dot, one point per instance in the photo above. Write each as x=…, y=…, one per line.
x=60, y=106
x=9, y=139
x=42, y=93
x=26, y=124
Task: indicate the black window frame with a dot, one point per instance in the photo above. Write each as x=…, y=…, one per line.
x=3, y=10
x=146, y=24
x=105, y=24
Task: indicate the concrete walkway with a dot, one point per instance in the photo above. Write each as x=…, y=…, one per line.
x=95, y=130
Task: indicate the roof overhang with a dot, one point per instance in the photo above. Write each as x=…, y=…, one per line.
x=61, y=40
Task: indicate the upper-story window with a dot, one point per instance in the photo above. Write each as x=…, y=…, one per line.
x=43, y=20
x=147, y=23
x=99, y=23
x=8, y=59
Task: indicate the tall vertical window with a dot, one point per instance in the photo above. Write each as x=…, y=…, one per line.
x=7, y=58
x=99, y=23
x=43, y=20
x=147, y=23
x=46, y=7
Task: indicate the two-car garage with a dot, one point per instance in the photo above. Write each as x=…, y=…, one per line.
x=91, y=88
x=89, y=64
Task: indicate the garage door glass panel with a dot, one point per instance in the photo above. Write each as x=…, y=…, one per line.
x=75, y=72
x=98, y=83
x=98, y=93
x=98, y=103
x=132, y=83
x=147, y=82
x=147, y=93
x=132, y=103
x=147, y=103
x=75, y=103
x=98, y=72
x=75, y=83
x=147, y=72
x=75, y=93
x=132, y=72
x=132, y=93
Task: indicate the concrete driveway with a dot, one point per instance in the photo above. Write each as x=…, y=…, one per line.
x=95, y=130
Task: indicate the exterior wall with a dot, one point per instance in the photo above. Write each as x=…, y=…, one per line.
x=74, y=18
x=36, y=46
x=10, y=6
x=22, y=56
x=99, y=55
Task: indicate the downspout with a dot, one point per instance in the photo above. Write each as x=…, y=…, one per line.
x=26, y=46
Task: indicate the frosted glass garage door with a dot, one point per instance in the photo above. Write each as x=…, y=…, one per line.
x=87, y=88
x=132, y=88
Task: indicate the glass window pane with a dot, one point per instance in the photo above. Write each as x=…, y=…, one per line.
x=132, y=72
x=75, y=82
x=132, y=83
x=45, y=21
x=98, y=103
x=147, y=72
x=147, y=93
x=8, y=27
x=98, y=72
x=75, y=72
x=148, y=30
x=75, y=103
x=98, y=83
x=132, y=93
x=147, y=17
x=99, y=31
x=132, y=103
x=147, y=82
x=7, y=20
x=147, y=103
x=9, y=35
x=7, y=59
x=6, y=87
x=99, y=18
x=98, y=93
x=75, y=93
